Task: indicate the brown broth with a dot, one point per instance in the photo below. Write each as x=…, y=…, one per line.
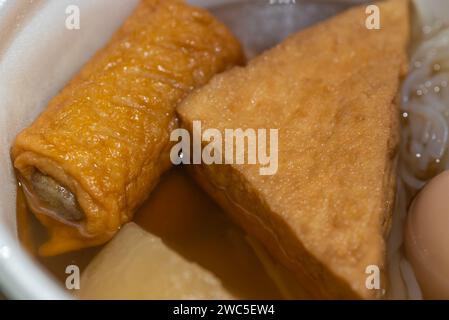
x=184, y=217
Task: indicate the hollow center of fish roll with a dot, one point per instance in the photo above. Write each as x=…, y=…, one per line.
x=58, y=199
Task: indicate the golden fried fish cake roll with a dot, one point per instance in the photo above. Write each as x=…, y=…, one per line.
x=98, y=149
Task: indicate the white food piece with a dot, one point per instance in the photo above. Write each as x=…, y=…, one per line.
x=138, y=265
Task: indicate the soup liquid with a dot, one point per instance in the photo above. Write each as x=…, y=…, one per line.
x=190, y=223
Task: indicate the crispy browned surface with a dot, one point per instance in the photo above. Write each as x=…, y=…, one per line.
x=105, y=136
x=330, y=91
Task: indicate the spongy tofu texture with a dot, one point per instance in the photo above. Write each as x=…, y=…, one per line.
x=330, y=90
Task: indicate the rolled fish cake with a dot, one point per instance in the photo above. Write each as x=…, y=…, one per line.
x=331, y=91
x=93, y=156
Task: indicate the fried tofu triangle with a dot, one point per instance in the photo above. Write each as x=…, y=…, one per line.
x=99, y=148
x=330, y=90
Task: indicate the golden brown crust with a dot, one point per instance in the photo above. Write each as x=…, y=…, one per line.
x=330, y=91
x=106, y=135
x=239, y=207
